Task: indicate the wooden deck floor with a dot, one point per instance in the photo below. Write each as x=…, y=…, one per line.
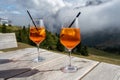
x=19, y=65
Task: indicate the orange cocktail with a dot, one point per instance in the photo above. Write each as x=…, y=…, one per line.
x=70, y=37
x=37, y=35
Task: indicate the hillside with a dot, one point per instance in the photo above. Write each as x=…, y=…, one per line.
x=9, y=28
x=102, y=56
x=107, y=39
x=51, y=43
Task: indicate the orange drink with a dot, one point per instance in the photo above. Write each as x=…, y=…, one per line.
x=70, y=37
x=37, y=35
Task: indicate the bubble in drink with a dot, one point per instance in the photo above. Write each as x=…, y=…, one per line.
x=70, y=32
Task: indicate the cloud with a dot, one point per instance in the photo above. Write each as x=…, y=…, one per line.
x=38, y=8
x=97, y=17
x=100, y=17
x=58, y=12
x=16, y=12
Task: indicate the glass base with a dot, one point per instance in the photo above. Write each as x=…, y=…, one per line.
x=69, y=69
x=39, y=59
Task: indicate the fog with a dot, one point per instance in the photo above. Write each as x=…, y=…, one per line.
x=94, y=16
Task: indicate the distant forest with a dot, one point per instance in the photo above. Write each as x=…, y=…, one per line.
x=50, y=43
x=107, y=39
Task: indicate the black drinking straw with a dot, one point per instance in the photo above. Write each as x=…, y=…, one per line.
x=74, y=19
x=31, y=19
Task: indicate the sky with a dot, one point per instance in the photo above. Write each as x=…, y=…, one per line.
x=94, y=16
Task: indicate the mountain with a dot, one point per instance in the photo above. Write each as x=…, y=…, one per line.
x=86, y=3
x=107, y=39
x=96, y=2
x=93, y=2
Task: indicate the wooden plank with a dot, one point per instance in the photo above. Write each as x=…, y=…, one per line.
x=17, y=53
x=8, y=40
x=2, y=79
x=51, y=70
x=1, y=51
x=104, y=71
x=23, y=62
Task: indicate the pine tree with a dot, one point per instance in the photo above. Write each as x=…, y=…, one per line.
x=84, y=51
x=24, y=35
x=60, y=47
x=18, y=33
x=79, y=46
x=4, y=29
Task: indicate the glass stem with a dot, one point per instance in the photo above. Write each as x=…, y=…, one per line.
x=38, y=51
x=70, y=57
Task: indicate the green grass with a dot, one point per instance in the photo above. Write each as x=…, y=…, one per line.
x=103, y=53
x=101, y=56
x=94, y=54
x=11, y=28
